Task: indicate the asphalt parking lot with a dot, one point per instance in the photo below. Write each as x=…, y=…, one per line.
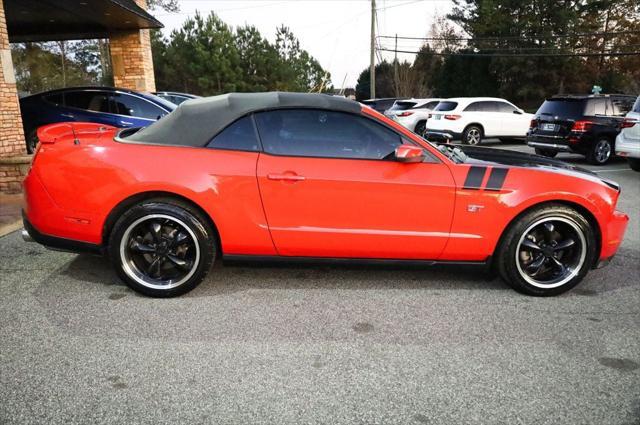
x=327, y=345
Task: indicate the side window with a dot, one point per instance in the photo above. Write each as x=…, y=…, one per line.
x=473, y=107
x=597, y=107
x=240, y=136
x=492, y=106
x=621, y=106
x=505, y=107
x=88, y=100
x=430, y=105
x=136, y=107
x=327, y=134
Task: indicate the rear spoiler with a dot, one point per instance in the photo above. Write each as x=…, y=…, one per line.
x=53, y=132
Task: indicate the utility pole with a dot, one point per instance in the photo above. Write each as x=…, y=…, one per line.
x=395, y=70
x=372, y=66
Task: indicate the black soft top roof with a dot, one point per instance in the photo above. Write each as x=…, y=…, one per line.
x=196, y=121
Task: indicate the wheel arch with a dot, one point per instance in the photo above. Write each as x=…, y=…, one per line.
x=477, y=124
x=588, y=215
x=137, y=198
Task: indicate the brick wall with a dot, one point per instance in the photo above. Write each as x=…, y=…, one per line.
x=12, y=143
x=131, y=58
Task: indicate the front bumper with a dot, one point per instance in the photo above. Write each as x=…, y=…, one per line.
x=613, y=234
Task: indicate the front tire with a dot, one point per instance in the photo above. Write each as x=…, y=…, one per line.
x=547, y=251
x=420, y=129
x=472, y=135
x=601, y=152
x=634, y=163
x=162, y=247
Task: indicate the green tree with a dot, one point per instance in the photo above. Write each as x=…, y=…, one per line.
x=384, y=82
x=205, y=56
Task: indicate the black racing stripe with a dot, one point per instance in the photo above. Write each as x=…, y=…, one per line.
x=496, y=178
x=474, y=177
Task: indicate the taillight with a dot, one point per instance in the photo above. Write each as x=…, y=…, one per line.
x=405, y=114
x=581, y=126
x=452, y=117
x=628, y=122
x=533, y=124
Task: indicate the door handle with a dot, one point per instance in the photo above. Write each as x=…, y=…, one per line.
x=286, y=177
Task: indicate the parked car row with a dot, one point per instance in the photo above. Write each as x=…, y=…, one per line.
x=591, y=125
x=102, y=105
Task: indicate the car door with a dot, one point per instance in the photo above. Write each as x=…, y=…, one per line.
x=331, y=188
x=134, y=111
x=491, y=118
x=514, y=122
x=88, y=106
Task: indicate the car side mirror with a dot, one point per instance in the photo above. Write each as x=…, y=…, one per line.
x=409, y=154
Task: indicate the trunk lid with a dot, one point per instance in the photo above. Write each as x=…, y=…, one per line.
x=555, y=118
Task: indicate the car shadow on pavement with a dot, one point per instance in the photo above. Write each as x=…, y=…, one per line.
x=236, y=277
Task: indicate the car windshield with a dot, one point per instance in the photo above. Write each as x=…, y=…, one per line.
x=565, y=108
x=169, y=106
x=446, y=106
x=402, y=106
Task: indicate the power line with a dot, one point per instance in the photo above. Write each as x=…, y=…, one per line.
x=605, y=54
x=500, y=38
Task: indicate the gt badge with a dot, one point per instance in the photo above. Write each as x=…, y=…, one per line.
x=474, y=208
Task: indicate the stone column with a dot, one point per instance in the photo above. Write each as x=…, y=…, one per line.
x=131, y=58
x=13, y=159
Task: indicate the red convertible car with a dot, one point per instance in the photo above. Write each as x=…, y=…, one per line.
x=307, y=176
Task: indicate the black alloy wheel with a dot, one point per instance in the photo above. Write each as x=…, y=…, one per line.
x=162, y=248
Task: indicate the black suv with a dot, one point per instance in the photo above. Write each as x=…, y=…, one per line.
x=586, y=124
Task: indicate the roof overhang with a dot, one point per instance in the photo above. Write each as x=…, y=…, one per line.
x=47, y=20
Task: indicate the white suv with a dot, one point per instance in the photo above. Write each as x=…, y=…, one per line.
x=412, y=113
x=628, y=141
x=472, y=119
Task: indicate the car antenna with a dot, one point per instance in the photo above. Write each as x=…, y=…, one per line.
x=76, y=141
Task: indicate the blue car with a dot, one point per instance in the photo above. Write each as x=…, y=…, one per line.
x=104, y=105
x=175, y=97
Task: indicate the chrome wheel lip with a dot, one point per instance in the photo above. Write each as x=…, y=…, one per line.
x=603, y=151
x=136, y=275
x=574, y=272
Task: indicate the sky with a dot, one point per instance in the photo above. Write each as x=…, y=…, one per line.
x=335, y=32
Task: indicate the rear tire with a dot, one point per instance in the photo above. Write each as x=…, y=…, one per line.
x=601, y=152
x=546, y=152
x=547, y=251
x=162, y=247
x=421, y=127
x=634, y=163
x=472, y=135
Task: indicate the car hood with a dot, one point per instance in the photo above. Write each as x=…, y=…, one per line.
x=489, y=156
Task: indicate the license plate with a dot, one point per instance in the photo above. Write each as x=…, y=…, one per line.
x=549, y=127
x=436, y=117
